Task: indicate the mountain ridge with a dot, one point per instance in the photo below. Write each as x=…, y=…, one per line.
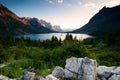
x=11, y=24
x=105, y=21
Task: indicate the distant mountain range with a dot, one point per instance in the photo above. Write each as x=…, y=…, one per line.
x=45, y=26
x=11, y=24
x=107, y=20
x=49, y=26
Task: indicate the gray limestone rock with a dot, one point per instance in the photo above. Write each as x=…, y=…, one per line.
x=114, y=77
x=51, y=77
x=28, y=75
x=39, y=78
x=82, y=68
x=5, y=78
x=58, y=72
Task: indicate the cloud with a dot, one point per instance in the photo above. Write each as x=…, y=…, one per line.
x=101, y=4
x=90, y=5
x=50, y=1
x=112, y=3
x=69, y=5
x=80, y=3
x=60, y=1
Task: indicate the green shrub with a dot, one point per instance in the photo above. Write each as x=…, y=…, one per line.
x=15, y=69
x=74, y=78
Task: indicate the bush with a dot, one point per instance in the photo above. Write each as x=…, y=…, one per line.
x=78, y=49
x=73, y=78
x=15, y=69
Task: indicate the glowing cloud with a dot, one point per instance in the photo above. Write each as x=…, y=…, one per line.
x=112, y=3
x=60, y=1
x=90, y=5
x=50, y=1
x=80, y=3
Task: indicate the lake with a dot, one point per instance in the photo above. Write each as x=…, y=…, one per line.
x=46, y=36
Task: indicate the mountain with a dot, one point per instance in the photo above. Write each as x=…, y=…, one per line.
x=45, y=24
x=35, y=23
x=68, y=30
x=106, y=21
x=11, y=24
x=49, y=26
x=42, y=24
x=57, y=28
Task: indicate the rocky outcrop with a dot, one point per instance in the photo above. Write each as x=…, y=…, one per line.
x=115, y=77
x=104, y=71
x=108, y=73
x=58, y=72
x=73, y=65
x=27, y=76
x=39, y=78
x=5, y=78
x=31, y=76
x=86, y=69
x=81, y=68
x=51, y=77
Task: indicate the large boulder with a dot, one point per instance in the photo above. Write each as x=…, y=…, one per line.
x=5, y=78
x=116, y=71
x=28, y=75
x=104, y=71
x=89, y=68
x=72, y=67
x=51, y=77
x=102, y=78
x=39, y=78
x=58, y=72
x=107, y=72
x=81, y=68
x=114, y=77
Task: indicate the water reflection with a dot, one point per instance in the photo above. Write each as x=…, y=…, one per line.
x=49, y=36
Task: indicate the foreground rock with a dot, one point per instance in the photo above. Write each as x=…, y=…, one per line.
x=81, y=68
x=5, y=78
x=58, y=72
x=27, y=76
x=108, y=73
x=51, y=77
x=115, y=77
x=39, y=78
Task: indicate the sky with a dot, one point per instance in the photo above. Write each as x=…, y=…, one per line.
x=69, y=14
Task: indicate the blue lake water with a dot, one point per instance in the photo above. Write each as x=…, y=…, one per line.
x=49, y=36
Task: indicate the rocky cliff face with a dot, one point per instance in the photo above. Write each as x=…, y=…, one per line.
x=11, y=24
x=42, y=25
x=57, y=28
x=5, y=12
x=35, y=23
x=50, y=26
